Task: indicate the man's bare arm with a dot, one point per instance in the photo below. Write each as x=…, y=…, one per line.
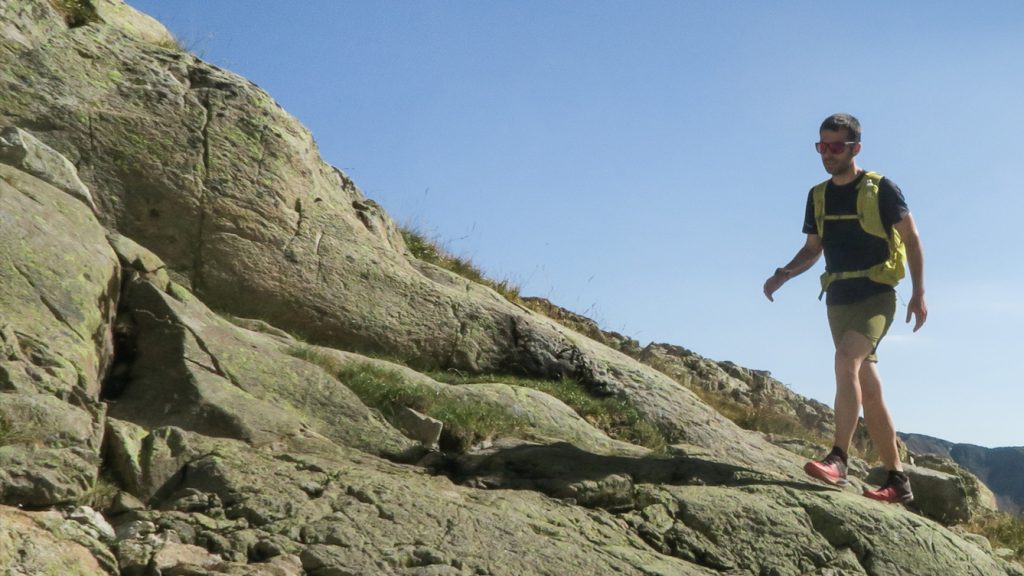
x=917, y=307
x=806, y=257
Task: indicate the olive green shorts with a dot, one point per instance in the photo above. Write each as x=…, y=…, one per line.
x=871, y=317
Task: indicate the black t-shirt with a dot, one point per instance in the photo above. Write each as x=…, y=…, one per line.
x=847, y=247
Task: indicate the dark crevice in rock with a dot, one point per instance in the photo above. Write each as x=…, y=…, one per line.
x=514, y=334
x=76, y=13
x=107, y=305
x=119, y=375
x=197, y=263
x=289, y=250
x=125, y=332
x=302, y=218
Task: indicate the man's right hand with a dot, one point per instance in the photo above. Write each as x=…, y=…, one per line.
x=775, y=282
x=803, y=260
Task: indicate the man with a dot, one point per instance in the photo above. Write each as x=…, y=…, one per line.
x=858, y=219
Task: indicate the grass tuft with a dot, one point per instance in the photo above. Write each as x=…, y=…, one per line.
x=759, y=419
x=172, y=43
x=101, y=495
x=428, y=250
x=1002, y=530
x=11, y=434
x=389, y=391
x=611, y=415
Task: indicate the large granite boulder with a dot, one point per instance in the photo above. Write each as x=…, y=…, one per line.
x=201, y=167
x=60, y=286
x=156, y=366
x=1001, y=469
x=944, y=491
x=39, y=543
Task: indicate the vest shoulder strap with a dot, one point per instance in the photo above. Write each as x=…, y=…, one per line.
x=868, y=211
x=818, y=198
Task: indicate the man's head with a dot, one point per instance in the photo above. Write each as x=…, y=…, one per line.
x=839, y=122
x=839, y=142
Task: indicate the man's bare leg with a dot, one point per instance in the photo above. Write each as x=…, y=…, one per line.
x=851, y=350
x=877, y=417
x=896, y=487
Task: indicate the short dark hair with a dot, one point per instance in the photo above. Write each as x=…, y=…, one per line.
x=841, y=121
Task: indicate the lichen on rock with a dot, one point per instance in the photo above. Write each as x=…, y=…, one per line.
x=180, y=351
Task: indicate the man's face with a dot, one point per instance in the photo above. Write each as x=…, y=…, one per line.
x=837, y=162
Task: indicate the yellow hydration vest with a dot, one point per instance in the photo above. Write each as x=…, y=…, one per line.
x=892, y=270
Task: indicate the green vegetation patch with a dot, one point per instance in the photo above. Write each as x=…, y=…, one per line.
x=11, y=433
x=102, y=493
x=759, y=419
x=1002, y=530
x=389, y=391
x=613, y=416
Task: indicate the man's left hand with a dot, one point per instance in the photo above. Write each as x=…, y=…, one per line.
x=919, y=310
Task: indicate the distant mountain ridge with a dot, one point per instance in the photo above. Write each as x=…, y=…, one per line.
x=1001, y=469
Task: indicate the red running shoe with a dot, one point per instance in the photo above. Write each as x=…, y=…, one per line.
x=896, y=489
x=830, y=470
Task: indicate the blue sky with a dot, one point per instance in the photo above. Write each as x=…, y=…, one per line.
x=646, y=163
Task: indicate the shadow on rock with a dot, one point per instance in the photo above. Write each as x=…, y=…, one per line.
x=562, y=470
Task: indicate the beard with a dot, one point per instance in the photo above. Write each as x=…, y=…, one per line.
x=837, y=165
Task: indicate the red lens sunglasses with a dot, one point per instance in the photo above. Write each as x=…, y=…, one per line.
x=833, y=147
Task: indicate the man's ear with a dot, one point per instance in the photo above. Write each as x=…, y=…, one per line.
x=856, y=148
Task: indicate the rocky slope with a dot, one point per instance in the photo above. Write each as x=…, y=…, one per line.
x=1002, y=469
x=167, y=233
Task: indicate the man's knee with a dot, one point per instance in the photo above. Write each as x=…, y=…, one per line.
x=852, y=349
x=848, y=364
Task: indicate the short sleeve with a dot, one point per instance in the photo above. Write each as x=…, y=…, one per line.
x=891, y=203
x=810, y=225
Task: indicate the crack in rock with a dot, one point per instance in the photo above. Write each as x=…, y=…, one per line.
x=197, y=263
x=54, y=310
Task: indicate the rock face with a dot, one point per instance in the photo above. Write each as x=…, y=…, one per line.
x=753, y=388
x=750, y=392
x=38, y=543
x=167, y=228
x=60, y=287
x=1001, y=469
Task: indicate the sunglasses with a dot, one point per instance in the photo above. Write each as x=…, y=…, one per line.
x=833, y=147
